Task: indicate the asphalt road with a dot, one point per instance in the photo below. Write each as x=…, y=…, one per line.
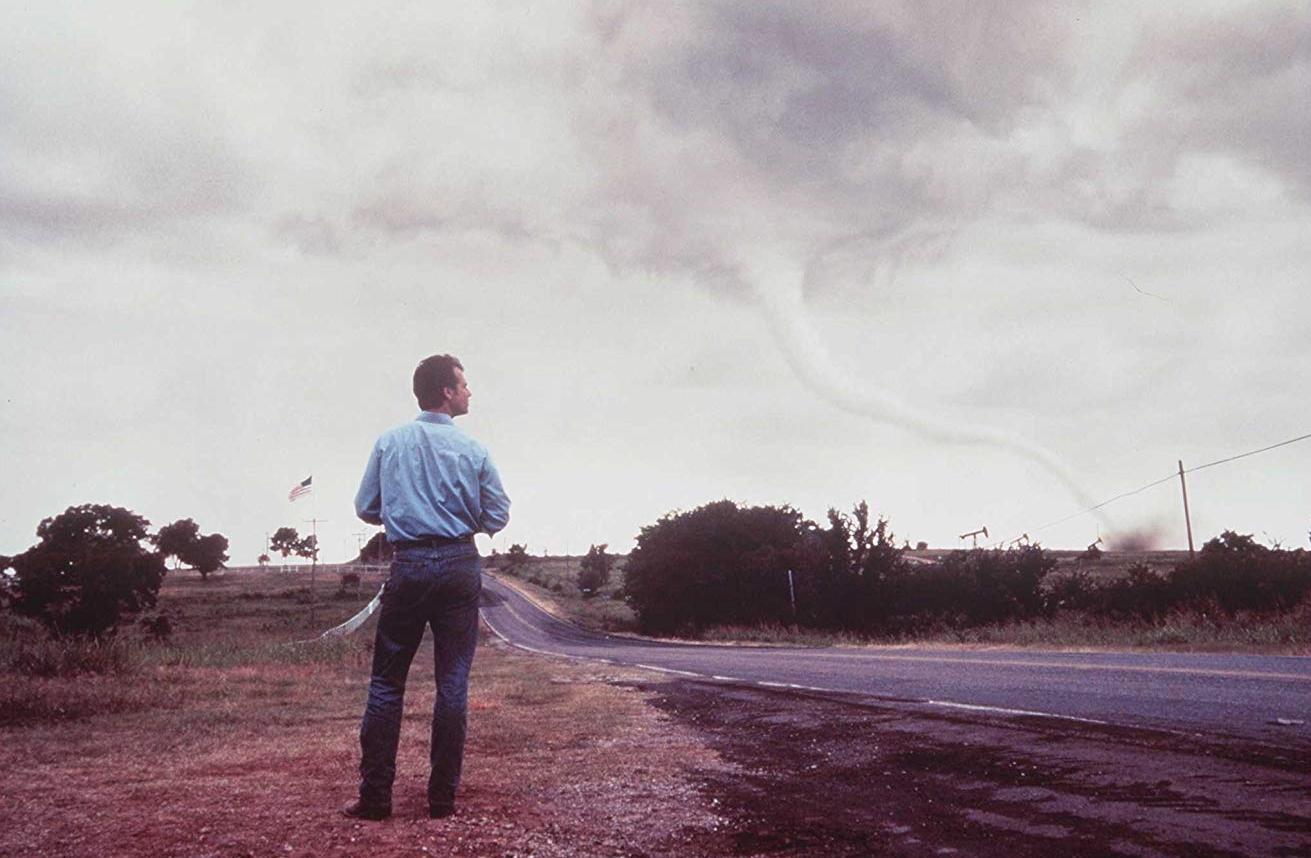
x=1261, y=699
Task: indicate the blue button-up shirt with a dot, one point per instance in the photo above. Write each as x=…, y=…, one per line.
x=428, y=478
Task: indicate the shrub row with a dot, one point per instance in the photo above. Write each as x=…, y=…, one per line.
x=726, y=565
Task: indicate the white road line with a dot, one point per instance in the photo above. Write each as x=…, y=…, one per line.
x=1001, y=710
x=668, y=670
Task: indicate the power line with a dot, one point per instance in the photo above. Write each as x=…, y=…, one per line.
x=1245, y=455
x=1172, y=477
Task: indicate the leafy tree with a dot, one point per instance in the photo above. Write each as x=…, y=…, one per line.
x=88, y=570
x=718, y=564
x=516, y=557
x=206, y=554
x=182, y=541
x=851, y=571
x=174, y=539
x=263, y=560
x=285, y=541
x=594, y=569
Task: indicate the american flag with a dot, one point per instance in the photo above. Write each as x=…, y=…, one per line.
x=301, y=488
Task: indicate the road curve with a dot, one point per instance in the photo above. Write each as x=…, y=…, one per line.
x=1253, y=698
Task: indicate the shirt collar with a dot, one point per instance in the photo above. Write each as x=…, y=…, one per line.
x=429, y=417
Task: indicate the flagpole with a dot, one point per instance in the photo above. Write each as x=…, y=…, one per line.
x=314, y=552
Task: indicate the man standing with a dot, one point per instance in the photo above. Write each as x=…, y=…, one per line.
x=432, y=487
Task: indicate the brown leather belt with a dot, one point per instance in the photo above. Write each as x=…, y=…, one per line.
x=434, y=541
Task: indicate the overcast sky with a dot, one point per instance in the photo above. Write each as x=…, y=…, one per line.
x=979, y=265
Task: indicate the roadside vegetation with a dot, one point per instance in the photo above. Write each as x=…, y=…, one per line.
x=765, y=574
x=224, y=738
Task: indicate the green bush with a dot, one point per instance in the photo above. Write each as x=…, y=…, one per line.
x=719, y=564
x=1141, y=594
x=594, y=570
x=1239, y=574
x=970, y=588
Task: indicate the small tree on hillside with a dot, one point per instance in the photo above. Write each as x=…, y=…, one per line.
x=182, y=541
x=174, y=539
x=594, y=569
x=516, y=557
x=206, y=554
x=88, y=570
x=286, y=541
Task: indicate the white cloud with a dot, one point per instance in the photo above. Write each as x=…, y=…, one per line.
x=228, y=232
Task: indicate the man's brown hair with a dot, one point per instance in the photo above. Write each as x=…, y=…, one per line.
x=431, y=378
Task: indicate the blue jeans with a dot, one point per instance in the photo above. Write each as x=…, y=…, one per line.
x=440, y=587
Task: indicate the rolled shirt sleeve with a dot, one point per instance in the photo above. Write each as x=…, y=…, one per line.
x=368, y=500
x=494, y=502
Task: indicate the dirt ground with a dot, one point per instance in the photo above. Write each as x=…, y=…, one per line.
x=812, y=776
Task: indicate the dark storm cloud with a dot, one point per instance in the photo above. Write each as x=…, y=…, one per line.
x=871, y=125
x=838, y=124
x=1238, y=85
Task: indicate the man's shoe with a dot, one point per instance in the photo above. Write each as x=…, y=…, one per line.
x=359, y=810
x=440, y=812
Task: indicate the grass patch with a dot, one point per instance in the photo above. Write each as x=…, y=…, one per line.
x=229, y=622
x=225, y=741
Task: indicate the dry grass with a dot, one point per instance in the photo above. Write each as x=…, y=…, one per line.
x=553, y=583
x=226, y=743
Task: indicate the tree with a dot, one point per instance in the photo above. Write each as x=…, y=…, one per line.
x=516, y=557
x=594, y=569
x=87, y=571
x=182, y=541
x=206, y=554
x=174, y=539
x=851, y=582
x=285, y=541
x=718, y=564
x=263, y=560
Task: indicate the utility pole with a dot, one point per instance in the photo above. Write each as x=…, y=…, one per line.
x=1188, y=521
x=314, y=559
